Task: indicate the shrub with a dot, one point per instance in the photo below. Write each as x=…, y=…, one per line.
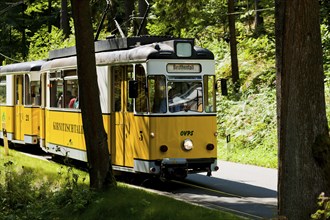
x=324, y=208
x=25, y=195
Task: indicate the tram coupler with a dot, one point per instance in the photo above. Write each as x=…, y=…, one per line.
x=174, y=168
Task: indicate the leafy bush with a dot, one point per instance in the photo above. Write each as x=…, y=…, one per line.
x=249, y=117
x=42, y=42
x=24, y=195
x=324, y=208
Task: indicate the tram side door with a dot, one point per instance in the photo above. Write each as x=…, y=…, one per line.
x=122, y=144
x=19, y=135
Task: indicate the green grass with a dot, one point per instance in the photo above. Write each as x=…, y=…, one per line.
x=137, y=204
x=31, y=188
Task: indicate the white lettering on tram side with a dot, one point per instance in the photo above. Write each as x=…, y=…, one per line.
x=72, y=128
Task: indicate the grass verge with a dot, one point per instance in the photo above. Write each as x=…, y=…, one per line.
x=31, y=188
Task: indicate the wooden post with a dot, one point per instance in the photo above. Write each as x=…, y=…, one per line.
x=5, y=140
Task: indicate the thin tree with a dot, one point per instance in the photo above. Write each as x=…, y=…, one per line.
x=233, y=45
x=100, y=168
x=303, y=138
x=65, y=18
x=259, y=27
x=142, y=10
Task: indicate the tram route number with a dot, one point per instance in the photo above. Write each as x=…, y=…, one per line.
x=187, y=133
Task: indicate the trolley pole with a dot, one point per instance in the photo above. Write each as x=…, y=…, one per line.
x=5, y=140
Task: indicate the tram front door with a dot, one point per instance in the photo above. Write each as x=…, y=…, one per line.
x=122, y=108
x=19, y=134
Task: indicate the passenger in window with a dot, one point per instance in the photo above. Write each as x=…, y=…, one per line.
x=59, y=99
x=76, y=103
x=67, y=98
x=73, y=99
x=174, y=98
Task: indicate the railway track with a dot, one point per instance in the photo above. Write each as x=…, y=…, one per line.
x=221, y=200
x=210, y=197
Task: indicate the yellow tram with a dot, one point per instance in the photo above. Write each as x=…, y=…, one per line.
x=20, y=102
x=157, y=98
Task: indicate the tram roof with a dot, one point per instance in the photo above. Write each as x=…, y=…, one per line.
x=22, y=67
x=127, y=50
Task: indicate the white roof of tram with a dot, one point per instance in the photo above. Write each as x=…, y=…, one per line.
x=18, y=68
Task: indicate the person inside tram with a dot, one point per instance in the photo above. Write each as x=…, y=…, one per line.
x=174, y=93
x=73, y=99
x=59, y=99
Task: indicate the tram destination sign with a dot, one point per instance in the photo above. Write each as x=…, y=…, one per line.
x=183, y=68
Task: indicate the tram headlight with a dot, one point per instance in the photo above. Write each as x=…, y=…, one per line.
x=188, y=144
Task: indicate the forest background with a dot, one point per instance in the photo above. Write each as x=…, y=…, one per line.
x=246, y=119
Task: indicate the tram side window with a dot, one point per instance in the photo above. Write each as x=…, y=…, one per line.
x=129, y=76
x=32, y=92
x=71, y=99
x=157, y=94
x=209, y=91
x=27, y=94
x=3, y=89
x=117, y=82
x=64, y=90
x=56, y=93
x=141, y=100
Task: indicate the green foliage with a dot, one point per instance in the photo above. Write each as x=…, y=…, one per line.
x=42, y=42
x=26, y=195
x=179, y=18
x=34, y=189
x=325, y=34
x=250, y=122
x=324, y=208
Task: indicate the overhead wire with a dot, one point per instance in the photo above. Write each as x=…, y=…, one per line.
x=10, y=6
x=9, y=58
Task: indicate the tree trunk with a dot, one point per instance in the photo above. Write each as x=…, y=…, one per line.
x=49, y=14
x=259, y=27
x=100, y=169
x=142, y=10
x=304, y=145
x=129, y=9
x=233, y=45
x=65, y=18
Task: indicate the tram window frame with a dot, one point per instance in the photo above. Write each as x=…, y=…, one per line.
x=26, y=88
x=34, y=96
x=117, y=88
x=141, y=101
x=56, y=91
x=209, y=93
x=129, y=77
x=157, y=93
x=31, y=91
x=62, y=83
x=71, y=95
x=3, y=89
x=180, y=99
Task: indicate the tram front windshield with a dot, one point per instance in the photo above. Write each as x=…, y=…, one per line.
x=185, y=96
x=175, y=96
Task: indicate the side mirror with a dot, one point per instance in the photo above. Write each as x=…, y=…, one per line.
x=224, y=89
x=223, y=85
x=132, y=89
